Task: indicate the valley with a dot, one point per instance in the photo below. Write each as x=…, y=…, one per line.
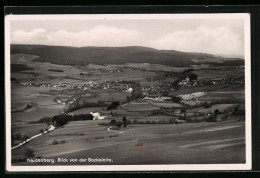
x=171, y=112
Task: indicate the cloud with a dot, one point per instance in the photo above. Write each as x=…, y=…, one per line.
x=217, y=40
x=98, y=36
x=220, y=40
x=27, y=37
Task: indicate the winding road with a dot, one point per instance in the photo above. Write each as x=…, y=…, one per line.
x=33, y=137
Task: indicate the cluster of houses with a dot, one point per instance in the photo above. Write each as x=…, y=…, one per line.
x=54, y=85
x=221, y=81
x=120, y=85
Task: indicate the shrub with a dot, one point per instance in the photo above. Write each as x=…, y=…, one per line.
x=113, y=122
x=206, y=105
x=113, y=136
x=17, y=136
x=171, y=121
x=192, y=76
x=99, y=137
x=119, y=124
x=147, y=122
x=55, y=142
x=63, y=141
x=211, y=118
x=113, y=105
x=176, y=99
x=29, y=153
x=41, y=130
x=24, y=137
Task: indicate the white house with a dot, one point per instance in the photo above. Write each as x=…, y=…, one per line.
x=97, y=116
x=130, y=90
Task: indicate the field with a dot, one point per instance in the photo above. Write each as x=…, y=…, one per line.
x=192, y=143
x=88, y=110
x=164, y=104
x=139, y=106
x=223, y=72
x=220, y=107
x=42, y=105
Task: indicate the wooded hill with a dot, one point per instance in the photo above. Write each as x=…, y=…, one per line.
x=112, y=55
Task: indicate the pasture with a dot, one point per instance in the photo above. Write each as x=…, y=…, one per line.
x=164, y=104
x=29, y=129
x=177, y=143
x=139, y=106
x=220, y=107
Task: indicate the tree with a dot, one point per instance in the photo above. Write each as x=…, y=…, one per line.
x=176, y=99
x=183, y=110
x=216, y=112
x=60, y=120
x=192, y=76
x=113, y=122
x=206, y=105
x=127, y=98
x=24, y=137
x=124, y=121
x=119, y=124
x=113, y=105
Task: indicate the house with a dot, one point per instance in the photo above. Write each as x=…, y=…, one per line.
x=185, y=82
x=97, y=116
x=130, y=90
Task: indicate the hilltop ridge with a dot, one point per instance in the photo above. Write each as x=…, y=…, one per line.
x=66, y=55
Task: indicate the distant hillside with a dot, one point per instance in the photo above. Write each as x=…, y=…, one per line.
x=109, y=55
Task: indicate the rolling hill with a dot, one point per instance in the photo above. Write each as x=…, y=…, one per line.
x=110, y=55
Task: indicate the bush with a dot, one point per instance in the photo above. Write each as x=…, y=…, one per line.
x=171, y=121
x=147, y=122
x=206, y=105
x=113, y=122
x=125, y=122
x=176, y=99
x=124, y=119
x=29, y=153
x=24, y=137
x=211, y=118
x=17, y=136
x=41, y=131
x=113, y=105
x=192, y=76
x=55, y=142
x=119, y=124
x=63, y=141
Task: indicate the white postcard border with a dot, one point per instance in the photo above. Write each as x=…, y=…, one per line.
x=166, y=167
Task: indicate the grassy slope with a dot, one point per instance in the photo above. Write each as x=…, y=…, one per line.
x=162, y=144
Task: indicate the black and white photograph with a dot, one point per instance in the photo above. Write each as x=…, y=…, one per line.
x=128, y=92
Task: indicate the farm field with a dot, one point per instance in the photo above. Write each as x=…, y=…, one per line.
x=217, y=74
x=140, y=106
x=29, y=129
x=87, y=110
x=164, y=104
x=220, y=107
x=221, y=143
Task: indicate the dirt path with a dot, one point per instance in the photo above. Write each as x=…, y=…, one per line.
x=33, y=137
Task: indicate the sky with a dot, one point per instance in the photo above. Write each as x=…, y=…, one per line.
x=213, y=36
